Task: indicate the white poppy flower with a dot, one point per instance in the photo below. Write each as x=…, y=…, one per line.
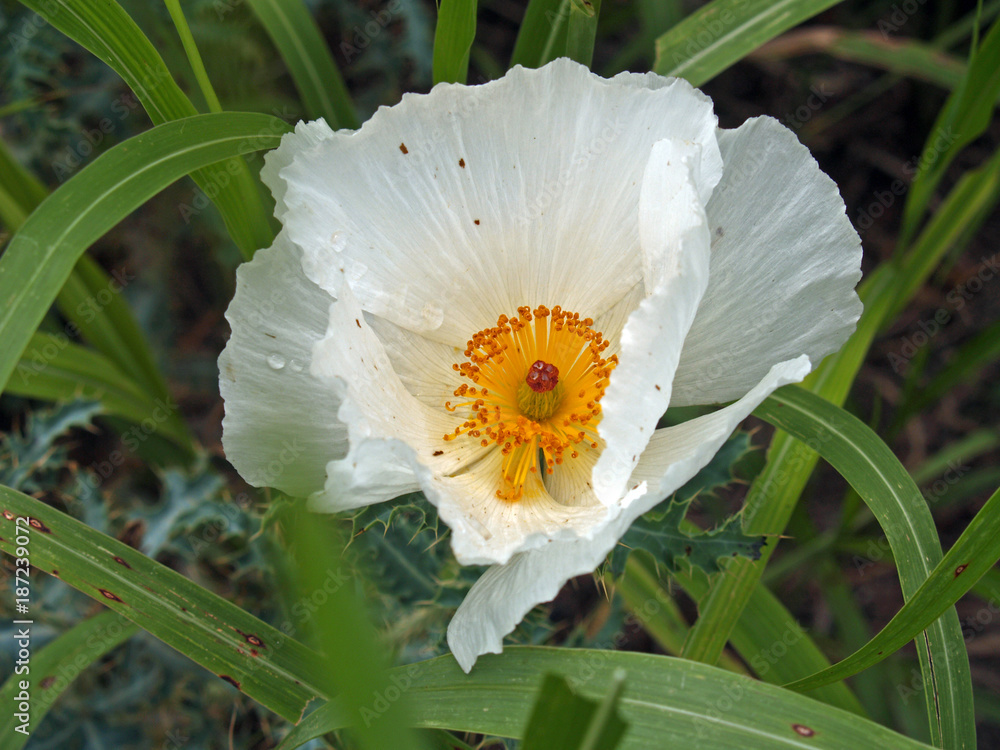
x=492, y=293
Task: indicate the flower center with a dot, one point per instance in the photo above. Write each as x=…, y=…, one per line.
x=536, y=385
x=541, y=392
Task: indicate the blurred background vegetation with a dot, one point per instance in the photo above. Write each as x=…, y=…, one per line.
x=861, y=85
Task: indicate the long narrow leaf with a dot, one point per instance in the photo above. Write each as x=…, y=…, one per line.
x=537, y=37
x=53, y=368
x=316, y=76
x=666, y=702
x=48, y=673
x=724, y=31
x=885, y=485
x=453, y=36
x=42, y=254
x=964, y=117
x=104, y=28
x=974, y=553
x=260, y=660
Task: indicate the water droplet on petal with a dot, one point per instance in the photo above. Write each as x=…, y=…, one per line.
x=275, y=361
x=433, y=314
x=295, y=366
x=338, y=241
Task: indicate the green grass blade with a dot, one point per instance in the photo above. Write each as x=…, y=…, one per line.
x=582, y=30
x=89, y=299
x=563, y=720
x=538, y=38
x=764, y=624
x=964, y=117
x=666, y=702
x=102, y=27
x=22, y=189
x=53, y=668
x=887, y=488
x=42, y=254
x=775, y=492
x=53, y=368
x=453, y=36
x=967, y=561
x=193, y=55
x=301, y=45
x=903, y=57
x=953, y=224
x=723, y=32
x=968, y=362
x=354, y=662
x=261, y=661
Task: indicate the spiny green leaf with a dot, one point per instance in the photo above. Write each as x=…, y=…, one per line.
x=659, y=533
x=21, y=455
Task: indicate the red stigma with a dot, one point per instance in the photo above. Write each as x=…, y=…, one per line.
x=542, y=377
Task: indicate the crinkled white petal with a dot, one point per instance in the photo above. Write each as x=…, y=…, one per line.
x=785, y=261
x=423, y=365
x=393, y=436
x=397, y=446
x=487, y=530
x=306, y=135
x=280, y=428
x=675, y=241
x=485, y=212
x=506, y=593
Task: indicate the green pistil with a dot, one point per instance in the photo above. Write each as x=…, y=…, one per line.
x=539, y=406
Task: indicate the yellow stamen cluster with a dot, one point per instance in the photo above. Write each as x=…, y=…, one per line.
x=564, y=422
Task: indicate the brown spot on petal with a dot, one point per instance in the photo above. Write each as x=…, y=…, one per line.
x=8, y=515
x=402, y=147
x=108, y=595
x=960, y=569
x=803, y=730
x=438, y=453
x=120, y=561
x=358, y=322
x=461, y=163
x=476, y=222
x=252, y=639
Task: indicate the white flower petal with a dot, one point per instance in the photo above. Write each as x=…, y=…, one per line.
x=675, y=454
x=423, y=365
x=281, y=426
x=675, y=242
x=305, y=135
x=388, y=426
x=397, y=446
x=483, y=212
x=488, y=530
x=785, y=261
x=506, y=593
